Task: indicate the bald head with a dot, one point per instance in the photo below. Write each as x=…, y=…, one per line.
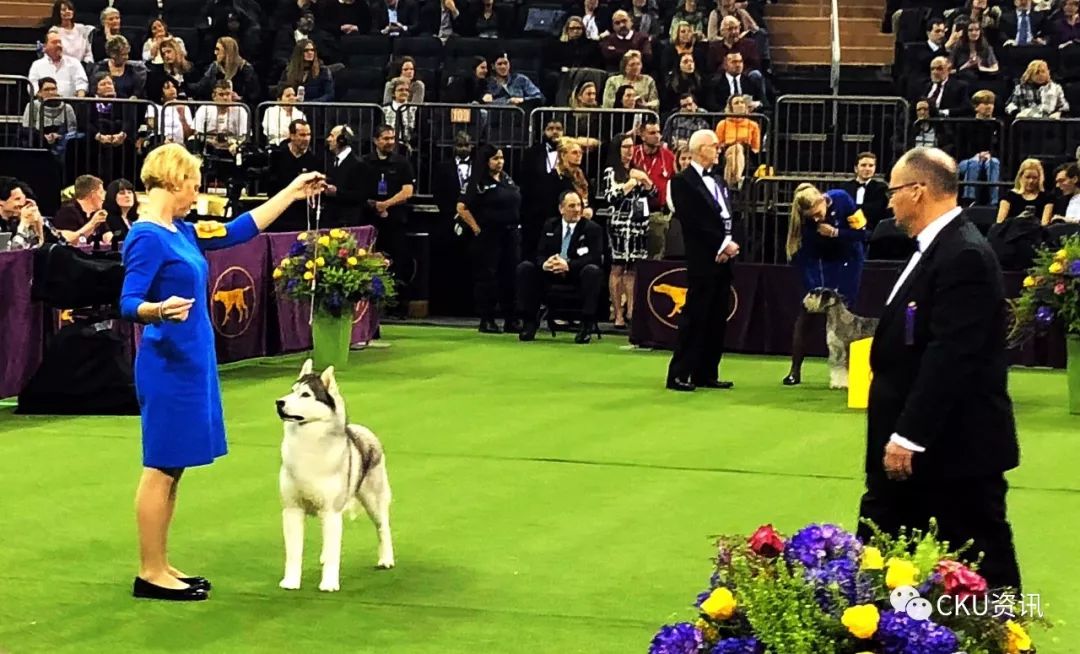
x=922, y=188
x=704, y=147
x=933, y=168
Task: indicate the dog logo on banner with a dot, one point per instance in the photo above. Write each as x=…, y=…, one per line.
x=231, y=311
x=667, y=297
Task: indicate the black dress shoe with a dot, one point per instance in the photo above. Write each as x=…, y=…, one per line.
x=676, y=384
x=146, y=590
x=197, y=582
x=512, y=326
x=792, y=380
x=584, y=335
x=489, y=327
x=528, y=330
x=715, y=383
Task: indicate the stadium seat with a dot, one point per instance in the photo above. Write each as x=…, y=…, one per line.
x=365, y=44
x=982, y=217
x=359, y=85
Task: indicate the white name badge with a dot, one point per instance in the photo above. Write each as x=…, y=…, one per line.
x=582, y=251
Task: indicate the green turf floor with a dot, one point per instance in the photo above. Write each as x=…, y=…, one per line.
x=547, y=498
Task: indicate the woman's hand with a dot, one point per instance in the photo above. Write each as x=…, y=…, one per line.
x=306, y=185
x=827, y=230
x=175, y=309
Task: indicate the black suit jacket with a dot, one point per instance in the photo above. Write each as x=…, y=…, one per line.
x=347, y=206
x=408, y=16
x=955, y=96
x=721, y=91
x=939, y=364
x=875, y=204
x=586, y=244
x=702, y=222
x=1008, y=24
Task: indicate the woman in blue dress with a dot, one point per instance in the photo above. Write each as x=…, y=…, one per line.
x=826, y=243
x=165, y=287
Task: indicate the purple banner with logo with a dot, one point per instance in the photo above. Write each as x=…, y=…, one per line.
x=294, y=332
x=21, y=323
x=237, y=300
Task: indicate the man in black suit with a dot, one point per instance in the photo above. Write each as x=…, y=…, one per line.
x=396, y=18
x=288, y=159
x=869, y=193
x=733, y=81
x=702, y=204
x=570, y=252
x=344, y=204
x=940, y=429
x=948, y=94
x=918, y=55
x=1022, y=26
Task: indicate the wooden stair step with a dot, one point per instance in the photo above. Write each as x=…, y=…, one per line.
x=822, y=55
x=811, y=11
x=23, y=21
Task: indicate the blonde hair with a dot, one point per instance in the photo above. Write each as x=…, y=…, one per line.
x=1032, y=68
x=805, y=198
x=630, y=54
x=233, y=61
x=566, y=28
x=576, y=175
x=168, y=167
x=1025, y=165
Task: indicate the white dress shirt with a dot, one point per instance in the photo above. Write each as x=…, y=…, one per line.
x=710, y=184
x=69, y=74
x=341, y=156
x=924, y=239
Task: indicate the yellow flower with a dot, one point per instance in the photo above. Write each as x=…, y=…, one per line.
x=720, y=605
x=278, y=273
x=319, y=261
x=1029, y=281
x=1017, y=640
x=337, y=233
x=871, y=559
x=1061, y=255
x=1057, y=268
x=352, y=261
x=309, y=275
x=709, y=632
x=361, y=252
x=324, y=240
x=900, y=573
x=310, y=265
x=861, y=621
x=285, y=262
x=302, y=236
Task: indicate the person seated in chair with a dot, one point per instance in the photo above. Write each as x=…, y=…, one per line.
x=570, y=253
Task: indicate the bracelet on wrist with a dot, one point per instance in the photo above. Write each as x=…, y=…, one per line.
x=161, y=311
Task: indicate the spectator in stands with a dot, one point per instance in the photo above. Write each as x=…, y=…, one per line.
x=973, y=11
x=396, y=112
x=343, y=17
x=1036, y=95
x=129, y=77
x=223, y=125
x=470, y=87
x=870, y=195
x=1064, y=29
x=235, y=20
x=121, y=208
x=405, y=68
x=724, y=9
x=934, y=46
x=50, y=119
x=690, y=13
x=174, y=67
x=630, y=74
x=573, y=49
x=1027, y=195
x=733, y=81
x=83, y=219
x=687, y=42
x=304, y=29
x=486, y=22
x=658, y=162
x=19, y=216
x=925, y=132
x=157, y=32
x=344, y=204
x=491, y=208
x=684, y=79
x=973, y=57
x=585, y=127
x=278, y=120
x=388, y=183
x=623, y=38
x=177, y=124
x=67, y=72
x=396, y=17
x=75, y=37
x=443, y=19
x=975, y=147
x=287, y=160
x=1022, y=26
x=1067, y=206
x=731, y=40
x=506, y=87
x=689, y=119
x=567, y=175
x=108, y=128
x=597, y=19
x=736, y=128
x=307, y=75
x=110, y=27
x=646, y=18
x=626, y=190
x=948, y=95
x=230, y=67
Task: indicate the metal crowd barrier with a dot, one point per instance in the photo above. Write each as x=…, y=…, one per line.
x=110, y=139
x=322, y=117
x=822, y=134
x=964, y=138
x=1051, y=140
x=679, y=126
x=768, y=212
x=16, y=92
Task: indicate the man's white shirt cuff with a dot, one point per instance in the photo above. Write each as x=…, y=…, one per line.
x=906, y=444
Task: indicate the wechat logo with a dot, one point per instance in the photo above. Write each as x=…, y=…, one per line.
x=906, y=600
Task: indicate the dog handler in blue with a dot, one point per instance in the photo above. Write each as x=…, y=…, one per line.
x=165, y=287
x=826, y=244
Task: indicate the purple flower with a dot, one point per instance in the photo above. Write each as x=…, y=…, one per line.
x=1074, y=269
x=1044, y=316
x=815, y=545
x=291, y=284
x=702, y=596
x=738, y=646
x=297, y=248
x=838, y=574
x=681, y=638
x=899, y=634
x=378, y=289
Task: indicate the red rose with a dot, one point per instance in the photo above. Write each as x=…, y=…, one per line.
x=960, y=581
x=766, y=542
x=343, y=253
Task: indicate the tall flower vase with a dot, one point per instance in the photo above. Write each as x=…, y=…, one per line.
x=330, y=338
x=1072, y=371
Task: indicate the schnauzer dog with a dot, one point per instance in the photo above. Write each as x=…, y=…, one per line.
x=841, y=328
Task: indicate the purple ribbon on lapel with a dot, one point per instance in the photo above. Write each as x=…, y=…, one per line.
x=909, y=324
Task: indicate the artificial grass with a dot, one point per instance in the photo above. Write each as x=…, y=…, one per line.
x=548, y=497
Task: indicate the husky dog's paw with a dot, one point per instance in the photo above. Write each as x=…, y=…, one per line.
x=329, y=585
x=290, y=583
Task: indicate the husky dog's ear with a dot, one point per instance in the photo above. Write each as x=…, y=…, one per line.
x=306, y=368
x=329, y=381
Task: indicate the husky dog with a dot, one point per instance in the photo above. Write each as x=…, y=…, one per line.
x=841, y=328
x=327, y=466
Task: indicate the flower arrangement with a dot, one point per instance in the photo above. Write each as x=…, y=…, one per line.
x=331, y=270
x=1051, y=291
x=823, y=591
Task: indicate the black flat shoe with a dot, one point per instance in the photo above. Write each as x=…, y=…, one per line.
x=722, y=385
x=489, y=327
x=197, y=582
x=512, y=326
x=675, y=384
x=146, y=590
x=791, y=380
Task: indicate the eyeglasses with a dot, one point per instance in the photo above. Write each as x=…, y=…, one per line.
x=893, y=190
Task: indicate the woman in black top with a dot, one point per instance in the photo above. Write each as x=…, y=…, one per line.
x=1028, y=193
x=492, y=208
x=123, y=208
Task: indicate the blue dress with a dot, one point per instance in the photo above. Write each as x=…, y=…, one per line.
x=827, y=262
x=176, y=365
